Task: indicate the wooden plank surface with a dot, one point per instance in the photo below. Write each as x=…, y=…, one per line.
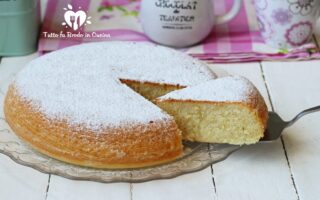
x=64, y=189
x=16, y=181
x=258, y=171
x=19, y=182
x=187, y=187
x=295, y=86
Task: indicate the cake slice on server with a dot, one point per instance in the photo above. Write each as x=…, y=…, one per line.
x=225, y=110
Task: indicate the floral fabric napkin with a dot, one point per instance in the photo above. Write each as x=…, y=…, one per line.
x=107, y=20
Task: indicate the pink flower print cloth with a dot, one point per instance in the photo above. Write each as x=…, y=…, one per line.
x=237, y=41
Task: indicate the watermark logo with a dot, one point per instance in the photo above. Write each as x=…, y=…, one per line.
x=75, y=20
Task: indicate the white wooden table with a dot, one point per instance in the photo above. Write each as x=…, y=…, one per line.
x=287, y=169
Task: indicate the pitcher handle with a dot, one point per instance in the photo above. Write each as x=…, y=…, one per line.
x=221, y=19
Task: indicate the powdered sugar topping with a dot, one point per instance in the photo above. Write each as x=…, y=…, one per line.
x=81, y=83
x=226, y=89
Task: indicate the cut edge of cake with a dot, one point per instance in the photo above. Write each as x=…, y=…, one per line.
x=225, y=110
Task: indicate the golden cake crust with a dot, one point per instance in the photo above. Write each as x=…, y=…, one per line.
x=121, y=147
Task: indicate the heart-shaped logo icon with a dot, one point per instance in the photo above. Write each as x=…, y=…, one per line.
x=74, y=19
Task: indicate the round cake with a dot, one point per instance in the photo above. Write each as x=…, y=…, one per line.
x=89, y=104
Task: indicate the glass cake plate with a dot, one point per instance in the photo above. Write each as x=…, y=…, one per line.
x=196, y=156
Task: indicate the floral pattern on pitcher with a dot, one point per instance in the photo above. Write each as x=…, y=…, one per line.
x=299, y=33
x=293, y=21
x=265, y=27
x=303, y=7
x=281, y=16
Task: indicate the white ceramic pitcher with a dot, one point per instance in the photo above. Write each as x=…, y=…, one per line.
x=181, y=23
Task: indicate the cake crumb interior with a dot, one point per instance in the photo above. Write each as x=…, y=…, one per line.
x=215, y=123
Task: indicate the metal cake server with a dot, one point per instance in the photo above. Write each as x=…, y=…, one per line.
x=276, y=125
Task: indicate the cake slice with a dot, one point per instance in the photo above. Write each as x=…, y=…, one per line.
x=225, y=110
